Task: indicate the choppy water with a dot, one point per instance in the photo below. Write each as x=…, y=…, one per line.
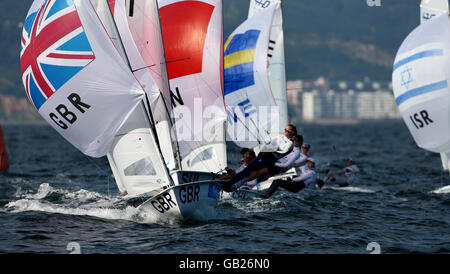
x=54, y=195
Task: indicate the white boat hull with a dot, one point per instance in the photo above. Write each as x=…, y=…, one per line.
x=186, y=200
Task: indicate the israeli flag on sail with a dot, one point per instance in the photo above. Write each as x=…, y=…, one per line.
x=421, y=83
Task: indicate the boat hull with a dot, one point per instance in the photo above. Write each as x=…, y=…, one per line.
x=195, y=200
x=258, y=189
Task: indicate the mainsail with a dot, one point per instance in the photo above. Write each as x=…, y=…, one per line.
x=420, y=79
x=140, y=32
x=74, y=75
x=277, y=66
x=192, y=34
x=135, y=157
x=253, y=114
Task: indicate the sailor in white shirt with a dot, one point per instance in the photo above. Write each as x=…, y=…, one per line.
x=306, y=178
x=282, y=144
x=345, y=176
x=278, y=149
x=280, y=166
x=301, y=161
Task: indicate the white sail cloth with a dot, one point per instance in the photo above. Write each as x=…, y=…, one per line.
x=421, y=77
x=432, y=8
x=140, y=33
x=192, y=34
x=428, y=10
x=277, y=64
x=74, y=76
x=252, y=110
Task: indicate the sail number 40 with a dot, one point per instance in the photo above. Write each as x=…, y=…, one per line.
x=263, y=3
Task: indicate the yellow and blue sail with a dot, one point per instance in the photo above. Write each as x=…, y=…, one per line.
x=239, y=58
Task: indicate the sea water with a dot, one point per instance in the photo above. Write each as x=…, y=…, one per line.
x=54, y=197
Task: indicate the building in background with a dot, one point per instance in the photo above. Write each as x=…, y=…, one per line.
x=340, y=101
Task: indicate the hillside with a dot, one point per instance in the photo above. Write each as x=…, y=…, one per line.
x=338, y=39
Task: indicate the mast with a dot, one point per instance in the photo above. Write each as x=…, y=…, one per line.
x=193, y=46
x=172, y=118
x=132, y=126
x=139, y=27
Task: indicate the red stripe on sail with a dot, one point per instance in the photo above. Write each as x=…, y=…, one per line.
x=184, y=26
x=71, y=56
x=112, y=4
x=42, y=41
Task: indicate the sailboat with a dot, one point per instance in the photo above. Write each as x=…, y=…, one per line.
x=100, y=78
x=4, y=161
x=420, y=80
x=255, y=80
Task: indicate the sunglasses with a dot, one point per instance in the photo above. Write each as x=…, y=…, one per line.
x=291, y=131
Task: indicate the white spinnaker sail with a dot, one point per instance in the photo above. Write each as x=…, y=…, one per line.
x=277, y=66
x=432, y=8
x=140, y=32
x=192, y=34
x=428, y=10
x=252, y=109
x=74, y=75
x=420, y=79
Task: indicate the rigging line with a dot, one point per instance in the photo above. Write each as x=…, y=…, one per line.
x=159, y=72
x=146, y=113
x=172, y=119
x=245, y=126
x=108, y=175
x=241, y=96
x=146, y=67
x=165, y=103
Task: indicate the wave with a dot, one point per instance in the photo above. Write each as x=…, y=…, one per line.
x=79, y=203
x=441, y=190
x=351, y=189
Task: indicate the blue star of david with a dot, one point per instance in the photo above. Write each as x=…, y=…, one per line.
x=406, y=77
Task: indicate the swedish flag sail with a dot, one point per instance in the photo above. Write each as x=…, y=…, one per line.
x=252, y=110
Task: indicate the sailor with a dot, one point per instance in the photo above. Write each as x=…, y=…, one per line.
x=281, y=165
x=247, y=156
x=282, y=144
x=270, y=153
x=301, y=161
x=345, y=176
x=297, y=183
